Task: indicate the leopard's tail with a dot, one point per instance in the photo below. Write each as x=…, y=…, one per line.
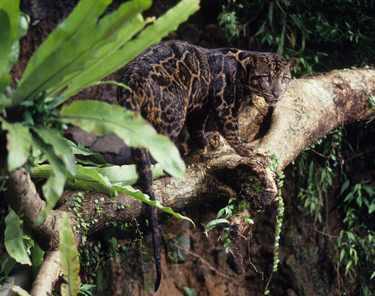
x=143, y=161
x=155, y=241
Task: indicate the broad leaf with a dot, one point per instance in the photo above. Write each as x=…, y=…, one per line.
x=69, y=260
x=14, y=242
x=89, y=179
x=85, y=156
x=145, y=198
x=102, y=118
x=9, y=21
x=12, y=27
x=59, y=155
x=79, y=42
x=20, y=291
x=122, y=175
x=54, y=186
x=213, y=224
x=86, y=178
x=108, y=180
x=37, y=257
x=86, y=48
x=60, y=147
x=18, y=144
x=371, y=208
x=113, y=60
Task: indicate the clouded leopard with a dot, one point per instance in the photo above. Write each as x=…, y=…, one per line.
x=175, y=83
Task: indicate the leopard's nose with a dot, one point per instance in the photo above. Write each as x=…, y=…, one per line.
x=277, y=94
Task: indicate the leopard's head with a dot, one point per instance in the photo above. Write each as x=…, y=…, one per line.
x=270, y=75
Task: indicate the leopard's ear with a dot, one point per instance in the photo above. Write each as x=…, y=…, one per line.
x=292, y=63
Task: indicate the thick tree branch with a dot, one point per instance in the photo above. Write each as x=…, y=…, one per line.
x=311, y=108
x=48, y=274
x=24, y=199
x=315, y=106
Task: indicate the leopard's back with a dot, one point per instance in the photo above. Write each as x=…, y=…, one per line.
x=166, y=81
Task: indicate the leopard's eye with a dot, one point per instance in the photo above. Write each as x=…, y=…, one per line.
x=285, y=79
x=265, y=79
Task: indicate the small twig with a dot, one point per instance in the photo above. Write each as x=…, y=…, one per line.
x=251, y=263
x=326, y=234
x=205, y=262
x=266, y=288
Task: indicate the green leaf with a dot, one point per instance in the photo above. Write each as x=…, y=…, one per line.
x=371, y=208
x=109, y=181
x=102, y=118
x=270, y=13
x=220, y=213
x=5, y=80
x=189, y=291
x=7, y=265
x=349, y=197
x=97, y=178
x=214, y=223
x=14, y=242
x=54, y=186
x=18, y=144
x=20, y=291
x=369, y=190
x=87, y=47
x=344, y=186
x=60, y=147
x=37, y=257
x=89, y=158
x=69, y=260
x=350, y=236
x=146, y=199
x=348, y=266
x=12, y=27
x=88, y=178
x=342, y=254
x=9, y=22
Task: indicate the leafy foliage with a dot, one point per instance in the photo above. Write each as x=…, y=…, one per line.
x=279, y=217
x=85, y=45
x=228, y=211
x=314, y=31
x=229, y=22
x=333, y=164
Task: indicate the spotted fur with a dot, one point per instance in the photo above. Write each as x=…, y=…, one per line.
x=175, y=83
